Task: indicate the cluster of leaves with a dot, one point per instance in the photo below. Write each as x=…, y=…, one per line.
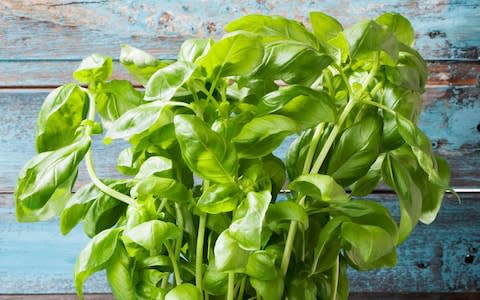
x=198, y=214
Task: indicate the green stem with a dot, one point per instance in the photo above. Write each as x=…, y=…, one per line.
x=373, y=103
x=243, y=284
x=313, y=147
x=334, y=283
x=178, y=245
x=176, y=270
x=231, y=286
x=199, y=251
x=89, y=161
x=292, y=230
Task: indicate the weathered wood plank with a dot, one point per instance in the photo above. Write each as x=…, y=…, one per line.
x=50, y=73
x=72, y=29
x=450, y=118
x=440, y=258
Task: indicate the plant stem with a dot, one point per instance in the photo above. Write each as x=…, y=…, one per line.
x=243, y=283
x=231, y=286
x=178, y=245
x=89, y=161
x=336, y=271
x=292, y=230
x=199, y=251
x=176, y=270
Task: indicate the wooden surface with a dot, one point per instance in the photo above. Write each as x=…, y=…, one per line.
x=43, y=41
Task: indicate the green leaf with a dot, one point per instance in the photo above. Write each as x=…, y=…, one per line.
x=229, y=256
x=61, y=114
x=79, y=204
x=296, y=154
x=94, y=68
x=306, y=106
x=167, y=81
x=369, y=243
x=410, y=71
x=396, y=175
x=140, y=64
x=119, y=275
x=193, y=49
x=399, y=25
x=152, y=234
x=129, y=161
x=270, y=289
x=215, y=282
x=422, y=149
x=273, y=28
x=292, y=62
x=301, y=288
x=163, y=188
x=406, y=102
x=318, y=186
x=116, y=97
x=286, y=211
x=356, y=150
x=220, y=198
x=156, y=166
x=205, y=152
x=327, y=246
x=275, y=169
x=367, y=183
x=185, y=291
x=262, y=135
x=248, y=218
x=95, y=256
x=46, y=172
x=235, y=55
x=261, y=266
x=432, y=194
x=324, y=27
x=139, y=122
x=368, y=37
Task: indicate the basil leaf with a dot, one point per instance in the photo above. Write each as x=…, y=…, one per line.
x=139, y=122
x=215, y=282
x=356, y=150
x=140, y=64
x=163, y=188
x=185, y=291
x=220, y=198
x=119, y=275
x=129, y=161
x=291, y=62
x=262, y=135
x=246, y=227
x=193, y=49
x=305, y=106
x=296, y=154
x=327, y=246
x=234, y=55
x=95, y=256
x=152, y=234
x=275, y=169
x=432, y=194
x=94, y=68
x=61, y=114
x=205, y=152
x=280, y=212
x=410, y=72
x=269, y=289
x=79, y=204
x=115, y=98
x=321, y=187
x=155, y=166
x=301, y=288
x=399, y=25
x=229, y=256
x=367, y=183
x=46, y=173
x=167, y=81
x=261, y=266
x=273, y=28
x=325, y=27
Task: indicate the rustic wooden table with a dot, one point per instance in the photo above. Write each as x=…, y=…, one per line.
x=42, y=41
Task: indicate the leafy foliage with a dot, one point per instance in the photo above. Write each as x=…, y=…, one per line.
x=199, y=212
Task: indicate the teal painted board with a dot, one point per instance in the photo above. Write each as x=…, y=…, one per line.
x=450, y=118
x=35, y=258
x=46, y=29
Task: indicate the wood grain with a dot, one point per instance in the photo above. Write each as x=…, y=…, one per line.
x=432, y=260
x=53, y=73
x=47, y=29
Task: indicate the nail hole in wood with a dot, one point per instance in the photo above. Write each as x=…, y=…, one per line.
x=478, y=127
x=469, y=258
x=434, y=144
x=422, y=265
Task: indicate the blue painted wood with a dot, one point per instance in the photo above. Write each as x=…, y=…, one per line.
x=35, y=258
x=41, y=29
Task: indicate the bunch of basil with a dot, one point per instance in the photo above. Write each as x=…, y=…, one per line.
x=199, y=213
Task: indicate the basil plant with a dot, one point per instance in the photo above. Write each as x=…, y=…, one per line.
x=205, y=208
